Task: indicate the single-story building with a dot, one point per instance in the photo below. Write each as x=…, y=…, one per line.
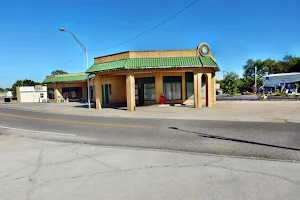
x=141, y=77
x=282, y=81
x=69, y=87
x=31, y=94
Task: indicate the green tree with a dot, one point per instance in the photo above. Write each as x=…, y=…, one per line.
x=58, y=72
x=2, y=89
x=291, y=63
x=230, y=83
x=19, y=83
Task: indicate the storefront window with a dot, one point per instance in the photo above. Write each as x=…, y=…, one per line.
x=145, y=89
x=149, y=91
x=73, y=94
x=189, y=85
x=173, y=87
x=136, y=92
x=189, y=90
x=51, y=93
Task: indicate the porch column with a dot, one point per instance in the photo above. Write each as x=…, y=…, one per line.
x=56, y=94
x=213, y=87
x=209, y=94
x=98, y=91
x=130, y=91
x=197, y=89
x=158, y=86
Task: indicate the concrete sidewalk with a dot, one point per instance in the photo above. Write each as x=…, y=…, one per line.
x=255, y=111
x=33, y=169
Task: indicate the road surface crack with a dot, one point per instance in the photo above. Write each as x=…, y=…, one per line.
x=254, y=172
x=118, y=170
x=31, y=177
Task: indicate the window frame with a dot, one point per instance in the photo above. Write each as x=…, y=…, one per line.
x=172, y=80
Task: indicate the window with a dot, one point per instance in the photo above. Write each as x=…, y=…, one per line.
x=136, y=92
x=189, y=79
x=109, y=88
x=41, y=95
x=145, y=87
x=91, y=92
x=51, y=93
x=172, y=87
x=149, y=91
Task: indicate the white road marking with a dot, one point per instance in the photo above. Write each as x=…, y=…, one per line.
x=44, y=132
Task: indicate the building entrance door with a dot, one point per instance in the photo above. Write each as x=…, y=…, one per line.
x=203, y=89
x=105, y=94
x=141, y=94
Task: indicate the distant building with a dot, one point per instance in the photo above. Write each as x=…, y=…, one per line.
x=285, y=82
x=5, y=96
x=31, y=94
x=69, y=87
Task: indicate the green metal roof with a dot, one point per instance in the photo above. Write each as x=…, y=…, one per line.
x=118, y=64
x=144, y=63
x=71, y=78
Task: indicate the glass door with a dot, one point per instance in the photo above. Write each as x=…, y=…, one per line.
x=141, y=94
x=105, y=94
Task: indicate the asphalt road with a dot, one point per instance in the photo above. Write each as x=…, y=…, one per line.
x=253, y=139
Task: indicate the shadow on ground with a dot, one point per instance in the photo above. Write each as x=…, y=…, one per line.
x=235, y=140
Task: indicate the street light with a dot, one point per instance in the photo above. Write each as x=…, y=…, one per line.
x=87, y=61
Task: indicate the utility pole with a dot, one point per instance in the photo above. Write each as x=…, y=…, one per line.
x=255, y=77
x=87, y=62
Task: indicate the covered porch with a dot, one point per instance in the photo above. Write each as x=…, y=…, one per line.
x=131, y=88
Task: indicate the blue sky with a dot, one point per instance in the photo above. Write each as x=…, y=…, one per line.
x=31, y=45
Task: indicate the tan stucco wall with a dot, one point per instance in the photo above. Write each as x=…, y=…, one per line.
x=162, y=54
x=118, y=89
x=150, y=54
x=109, y=58
x=146, y=54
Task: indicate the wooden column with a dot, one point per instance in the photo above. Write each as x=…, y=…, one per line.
x=208, y=90
x=213, y=87
x=158, y=86
x=130, y=91
x=98, y=91
x=197, y=89
x=56, y=94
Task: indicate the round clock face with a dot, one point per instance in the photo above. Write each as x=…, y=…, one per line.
x=204, y=50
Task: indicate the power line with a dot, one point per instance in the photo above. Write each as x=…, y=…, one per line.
x=72, y=59
x=148, y=30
